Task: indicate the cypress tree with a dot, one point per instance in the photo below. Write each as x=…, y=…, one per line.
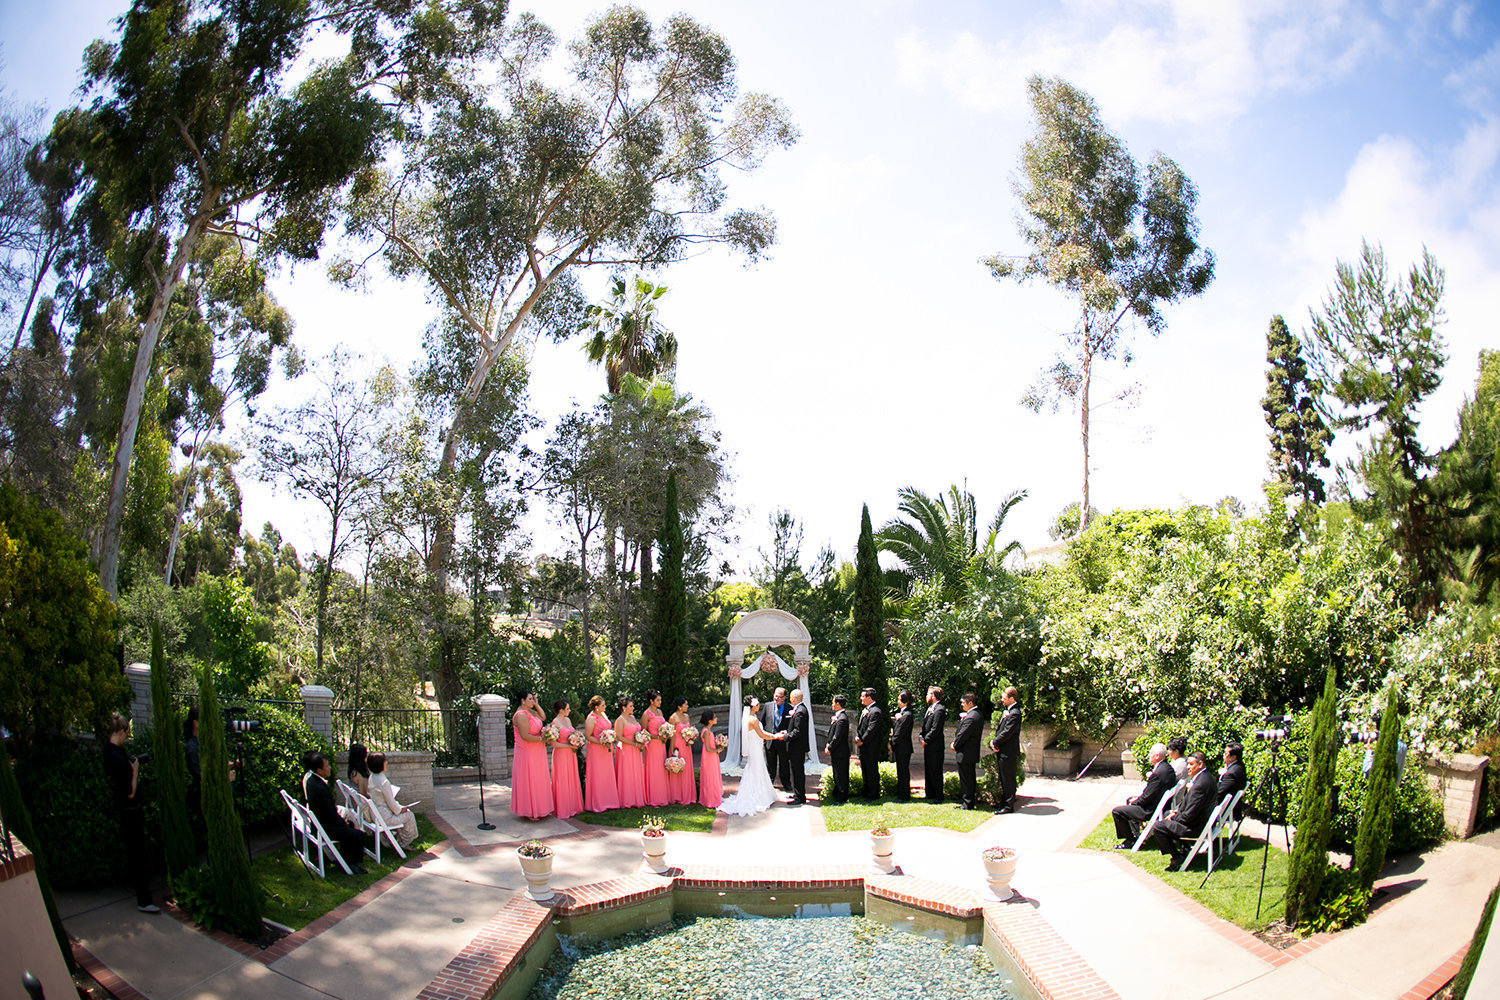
x=1299, y=437
x=869, y=614
x=236, y=894
x=1380, y=799
x=669, y=612
x=1309, y=861
x=170, y=761
x=18, y=819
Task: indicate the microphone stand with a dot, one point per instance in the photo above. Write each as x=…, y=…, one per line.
x=484, y=821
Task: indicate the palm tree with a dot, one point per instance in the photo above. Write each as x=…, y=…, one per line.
x=626, y=336
x=941, y=540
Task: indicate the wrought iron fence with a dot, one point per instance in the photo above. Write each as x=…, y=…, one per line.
x=453, y=734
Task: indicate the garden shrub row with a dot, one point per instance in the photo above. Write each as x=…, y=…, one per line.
x=988, y=781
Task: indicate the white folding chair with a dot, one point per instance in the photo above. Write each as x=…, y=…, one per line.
x=308, y=837
x=1216, y=833
x=371, y=821
x=1161, y=810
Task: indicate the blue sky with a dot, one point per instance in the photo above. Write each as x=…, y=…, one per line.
x=873, y=351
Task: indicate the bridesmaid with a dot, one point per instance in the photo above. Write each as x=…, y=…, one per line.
x=710, y=783
x=630, y=771
x=530, y=785
x=657, y=793
x=567, y=794
x=600, y=791
x=681, y=788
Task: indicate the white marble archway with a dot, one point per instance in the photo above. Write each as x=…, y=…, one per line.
x=764, y=628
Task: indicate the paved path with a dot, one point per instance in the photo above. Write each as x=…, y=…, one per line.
x=1098, y=903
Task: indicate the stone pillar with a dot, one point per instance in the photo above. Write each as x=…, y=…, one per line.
x=1457, y=780
x=494, y=758
x=139, y=675
x=317, y=710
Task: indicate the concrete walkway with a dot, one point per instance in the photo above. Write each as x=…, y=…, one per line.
x=1099, y=903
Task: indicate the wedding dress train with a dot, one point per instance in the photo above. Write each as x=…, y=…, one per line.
x=756, y=793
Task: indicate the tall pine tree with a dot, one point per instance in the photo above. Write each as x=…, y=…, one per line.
x=1309, y=861
x=1380, y=799
x=236, y=896
x=1299, y=437
x=669, y=617
x=170, y=762
x=869, y=614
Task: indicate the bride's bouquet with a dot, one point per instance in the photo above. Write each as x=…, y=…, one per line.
x=675, y=765
x=665, y=730
x=551, y=733
x=642, y=738
x=575, y=739
x=689, y=734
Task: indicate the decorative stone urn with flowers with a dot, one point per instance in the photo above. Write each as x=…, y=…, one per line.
x=536, y=865
x=999, y=868
x=654, y=843
x=882, y=847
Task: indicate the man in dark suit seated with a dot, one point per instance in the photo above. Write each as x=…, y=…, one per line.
x=1140, y=808
x=316, y=788
x=1175, y=834
x=1232, y=778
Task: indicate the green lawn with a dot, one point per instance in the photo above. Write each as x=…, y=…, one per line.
x=296, y=897
x=861, y=815
x=692, y=818
x=1230, y=891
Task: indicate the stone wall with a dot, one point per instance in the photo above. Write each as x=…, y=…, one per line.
x=1457, y=781
x=409, y=770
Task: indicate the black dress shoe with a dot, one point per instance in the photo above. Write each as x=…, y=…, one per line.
x=357, y=870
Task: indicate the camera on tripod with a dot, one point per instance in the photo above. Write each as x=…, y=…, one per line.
x=234, y=724
x=1365, y=736
x=1278, y=727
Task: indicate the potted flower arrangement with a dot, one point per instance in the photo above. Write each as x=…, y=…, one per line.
x=654, y=842
x=999, y=868
x=882, y=844
x=536, y=864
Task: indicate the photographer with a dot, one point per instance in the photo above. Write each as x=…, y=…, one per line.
x=123, y=772
x=1369, y=737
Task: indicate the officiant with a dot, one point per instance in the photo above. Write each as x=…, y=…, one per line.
x=773, y=718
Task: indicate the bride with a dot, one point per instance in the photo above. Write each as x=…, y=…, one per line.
x=755, y=794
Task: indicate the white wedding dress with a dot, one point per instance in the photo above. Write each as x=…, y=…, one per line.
x=756, y=793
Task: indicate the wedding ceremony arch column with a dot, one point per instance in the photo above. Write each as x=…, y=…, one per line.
x=768, y=635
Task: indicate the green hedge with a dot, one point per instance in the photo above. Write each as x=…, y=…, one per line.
x=1418, y=821
x=988, y=781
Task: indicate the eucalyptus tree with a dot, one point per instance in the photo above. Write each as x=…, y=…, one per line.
x=214, y=117
x=1119, y=249
x=502, y=201
x=1299, y=437
x=941, y=539
x=575, y=478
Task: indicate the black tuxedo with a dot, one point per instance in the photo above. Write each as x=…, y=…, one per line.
x=345, y=836
x=1175, y=834
x=901, y=724
x=798, y=737
x=1007, y=747
x=838, y=752
x=871, y=733
x=967, y=744
x=1140, y=808
x=1230, y=782
x=934, y=750
x=775, y=749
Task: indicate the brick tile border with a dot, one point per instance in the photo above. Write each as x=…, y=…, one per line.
x=104, y=975
x=1438, y=978
x=1056, y=970
x=18, y=860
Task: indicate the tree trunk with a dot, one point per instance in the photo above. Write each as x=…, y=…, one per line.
x=323, y=581
x=1083, y=409
x=182, y=502
x=109, y=536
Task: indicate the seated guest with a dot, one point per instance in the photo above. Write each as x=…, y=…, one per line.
x=1138, y=809
x=1176, y=748
x=399, y=818
x=1175, y=834
x=1232, y=778
x=347, y=838
x=359, y=768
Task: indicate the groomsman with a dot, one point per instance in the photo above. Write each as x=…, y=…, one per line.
x=869, y=736
x=901, y=724
x=967, y=745
x=933, y=751
x=1007, y=747
x=838, y=748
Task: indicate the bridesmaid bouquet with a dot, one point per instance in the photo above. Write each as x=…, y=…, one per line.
x=689, y=734
x=551, y=733
x=575, y=739
x=722, y=742
x=642, y=738
x=665, y=730
x=675, y=765
x=608, y=738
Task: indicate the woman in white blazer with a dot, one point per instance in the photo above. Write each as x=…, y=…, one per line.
x=383, y=796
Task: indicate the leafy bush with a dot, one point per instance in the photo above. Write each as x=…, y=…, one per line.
x=1476, y=948
x=1210, y=731
x=1342, y=902
x=72, y=810
x=195, y=895
x=987, y=778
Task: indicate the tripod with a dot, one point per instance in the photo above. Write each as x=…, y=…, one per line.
x=1272, y=792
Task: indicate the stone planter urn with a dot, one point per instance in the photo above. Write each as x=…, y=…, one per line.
x=999, y=868
x=1062, y=762
x=654, y=848
x=882, y=847
x=536, y=865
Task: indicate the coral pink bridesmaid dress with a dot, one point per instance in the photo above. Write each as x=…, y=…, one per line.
x=567, y=793
x=681, y=787
x=630, y=770
x=657, y=792
x=530, y=784
x=600, y=791
x=710, y=782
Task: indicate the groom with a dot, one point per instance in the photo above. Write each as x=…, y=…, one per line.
x=798, y=735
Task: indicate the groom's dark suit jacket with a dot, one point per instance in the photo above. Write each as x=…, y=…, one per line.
x=798, y=731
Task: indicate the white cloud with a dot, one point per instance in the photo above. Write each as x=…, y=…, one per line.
x=1169, y=61
x=1475, y=81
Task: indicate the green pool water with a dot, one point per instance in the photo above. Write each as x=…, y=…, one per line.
x=815, y=957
